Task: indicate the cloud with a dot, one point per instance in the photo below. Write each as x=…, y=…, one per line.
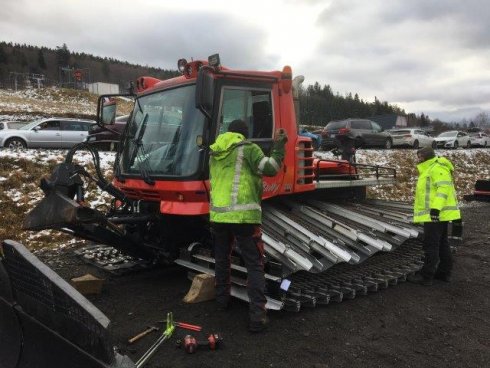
x=419, y=54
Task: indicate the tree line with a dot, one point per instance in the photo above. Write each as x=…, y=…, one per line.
x=319, y=105
x=59, y=65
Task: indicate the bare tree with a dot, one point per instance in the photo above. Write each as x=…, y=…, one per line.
x=482, y=120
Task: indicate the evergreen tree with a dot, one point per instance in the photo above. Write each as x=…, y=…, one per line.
x=40, y=60
x=63, y=55
x=4, y=59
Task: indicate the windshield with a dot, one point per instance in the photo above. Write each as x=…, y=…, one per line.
x=162, y=135
x=336, y=124
x=448, y=134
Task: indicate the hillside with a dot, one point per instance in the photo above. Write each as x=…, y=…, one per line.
x=41, y=60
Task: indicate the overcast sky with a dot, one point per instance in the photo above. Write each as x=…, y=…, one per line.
x=430, y=56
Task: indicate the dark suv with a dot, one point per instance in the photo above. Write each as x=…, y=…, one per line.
x=107, y=137
x=366, y=133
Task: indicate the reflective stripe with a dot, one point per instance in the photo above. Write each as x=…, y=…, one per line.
x=443, y=182
x=274, y=163
x=236, y=177
x=441, y=195
x=427, y=193
x=237, y=207
x=268, y=160
x=421, y=213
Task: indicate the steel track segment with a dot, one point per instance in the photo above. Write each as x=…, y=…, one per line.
x=372, y=244
x=317, y=235
x=401, y=206
x=386, y=227
x=338, y=252
x=364, y=229
x=298, y=246
x=343, y=235
x=304, y=242
x=404, y=222
x=309, y=224
x=381, y=270
x=377, y=224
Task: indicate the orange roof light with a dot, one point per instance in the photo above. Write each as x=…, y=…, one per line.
x=286, y=79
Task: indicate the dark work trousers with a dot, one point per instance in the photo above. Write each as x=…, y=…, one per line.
x=438, y=257
x=249, y=240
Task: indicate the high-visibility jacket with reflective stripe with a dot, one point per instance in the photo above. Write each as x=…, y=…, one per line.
x=236, y=168
x=435, y=189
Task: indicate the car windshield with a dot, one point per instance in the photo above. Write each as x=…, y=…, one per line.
x=30, y=125
x=162, y=135
x=400, y=131
x=448, y=134
x=336, y=125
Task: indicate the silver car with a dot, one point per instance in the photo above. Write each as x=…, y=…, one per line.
x=11, y=125
x=412, y=137
x=47, y=133
x=453, y=139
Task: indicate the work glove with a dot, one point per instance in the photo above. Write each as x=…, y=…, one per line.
x=280, y=135
x=434, y=215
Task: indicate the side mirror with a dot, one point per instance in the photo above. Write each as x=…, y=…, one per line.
x=108, y=112
x=36, y=128
x=205, y=91
x=107, y=108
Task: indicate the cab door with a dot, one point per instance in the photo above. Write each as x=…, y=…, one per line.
x=253, y=105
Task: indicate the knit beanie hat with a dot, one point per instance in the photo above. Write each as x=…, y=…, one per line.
x=238, y=126
x=426, y=153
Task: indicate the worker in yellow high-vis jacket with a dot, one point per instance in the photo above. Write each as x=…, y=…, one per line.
x=236, y=168
x=435, y=205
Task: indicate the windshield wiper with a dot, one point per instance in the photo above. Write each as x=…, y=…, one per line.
x=138, y=142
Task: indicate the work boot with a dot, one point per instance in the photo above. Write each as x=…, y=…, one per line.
x=443, y=276
x=258, y=326
x=419, y=279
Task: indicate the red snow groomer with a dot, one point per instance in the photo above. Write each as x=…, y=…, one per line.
x=324, y=241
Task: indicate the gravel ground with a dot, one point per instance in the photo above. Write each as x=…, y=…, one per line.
x=445, y=325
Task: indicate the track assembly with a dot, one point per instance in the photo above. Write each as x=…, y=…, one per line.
x=323, y=252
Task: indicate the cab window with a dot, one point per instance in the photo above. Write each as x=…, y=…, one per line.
x=253, y=106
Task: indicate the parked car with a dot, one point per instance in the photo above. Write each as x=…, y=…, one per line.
x=107, y=137
x=47, y=133
x=366, y=133
x=316, y=139
x=480, y=139
x=4, y=125
x=453, y=139
x=411, y=137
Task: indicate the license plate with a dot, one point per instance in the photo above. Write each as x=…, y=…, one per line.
x=332, y=135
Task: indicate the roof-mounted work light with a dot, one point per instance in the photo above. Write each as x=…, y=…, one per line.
x=214, y=61
x=181, y=65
